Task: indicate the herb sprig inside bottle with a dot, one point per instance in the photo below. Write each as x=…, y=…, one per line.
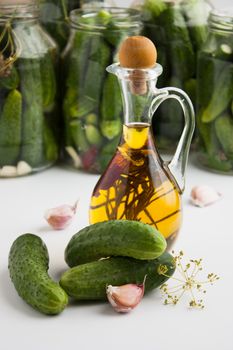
x=137, y=184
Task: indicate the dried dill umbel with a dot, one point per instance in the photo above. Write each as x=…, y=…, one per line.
x=9, y=48
x=186, y=282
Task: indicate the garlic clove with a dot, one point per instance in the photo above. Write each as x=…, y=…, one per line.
x=23, y=168
x=202, y=196
x=74, y=156
x=60, y=217
x=125, y=298
x=8, y=171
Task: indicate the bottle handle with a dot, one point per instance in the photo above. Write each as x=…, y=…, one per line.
x=177, y=166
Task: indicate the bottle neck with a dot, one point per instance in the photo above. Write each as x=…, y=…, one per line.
x=137, y=96
x=138, y=89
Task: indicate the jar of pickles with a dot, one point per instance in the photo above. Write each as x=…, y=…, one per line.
x=215, y=95
x=92, y=104
x=27, y=91
x=54, y=15
x=178, y=28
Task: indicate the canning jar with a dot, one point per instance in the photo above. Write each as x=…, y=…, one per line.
x=92, y=104
x=215, y=95
x=54, y=15
x=178, y=28
x=27, y=92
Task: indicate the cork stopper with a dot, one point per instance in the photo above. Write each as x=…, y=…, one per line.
x=138, y=53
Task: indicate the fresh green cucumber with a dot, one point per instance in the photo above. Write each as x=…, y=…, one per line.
x=89, y=281
x=116, y=237
x=28, y=266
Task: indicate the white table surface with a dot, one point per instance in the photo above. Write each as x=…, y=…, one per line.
x=206, y=233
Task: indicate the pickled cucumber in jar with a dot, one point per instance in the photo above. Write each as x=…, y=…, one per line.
x=28, y=89
x=215, y=95
x=178, y=28
x=92, y=106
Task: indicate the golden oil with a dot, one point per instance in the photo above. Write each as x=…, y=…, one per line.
x=135, y=186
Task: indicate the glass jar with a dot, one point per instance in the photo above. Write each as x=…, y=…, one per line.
x=92, y=99
x=178, y=28
x=53, y=15
x=27, y=92
x=215, y=95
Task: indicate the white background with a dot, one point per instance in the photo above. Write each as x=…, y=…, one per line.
x=206, y=233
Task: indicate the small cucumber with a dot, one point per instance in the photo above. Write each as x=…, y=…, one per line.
x=50, y=144
x=224, y=132
x=118, y=238
x=111, y=109
x=28, y=266
x=221, y=95
x=10, y=128
x=89, y=281
x=48, y=79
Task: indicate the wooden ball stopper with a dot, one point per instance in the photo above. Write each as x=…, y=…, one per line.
x=138, y=52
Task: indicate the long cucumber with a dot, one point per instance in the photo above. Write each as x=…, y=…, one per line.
x=89, y=281
x=33, y=115
x=117, y=237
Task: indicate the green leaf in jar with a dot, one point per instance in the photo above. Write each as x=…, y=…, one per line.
x=97, y=60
